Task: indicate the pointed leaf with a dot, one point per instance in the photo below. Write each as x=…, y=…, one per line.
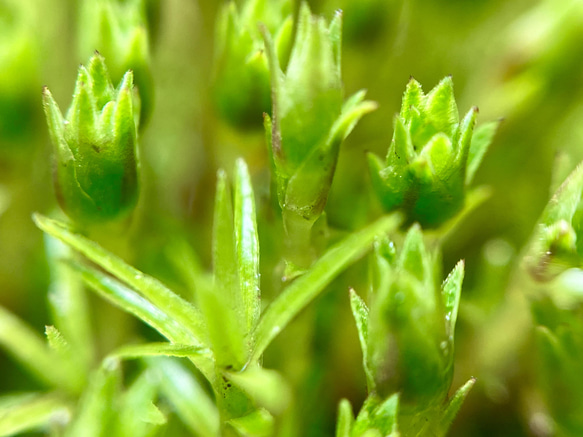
x=481, y=140
x=181, y=311
x=97, y=407
x=28, y=412
x=442, y=108
x=385, y=415
x=466, y=133
x=130, y=301
x=192, y=404
x=225, y=326
x=266, y=387
x=413, y=254
x=451, y=292
x=160, y=348
x=345, y=419
x=454, y=406
x=68, y=301
x=412, y=98
x=247, y=243
x=32, y=351
x=360, y=313
x=137, y=414
x=307, y=287
x=259, y=423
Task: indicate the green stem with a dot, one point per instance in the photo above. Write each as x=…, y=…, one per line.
x=300, y=252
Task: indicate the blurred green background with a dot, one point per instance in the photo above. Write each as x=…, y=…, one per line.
x=519, y=60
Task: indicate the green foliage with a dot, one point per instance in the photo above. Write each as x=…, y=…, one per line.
x=433, y=156
x=407, y=340
x=96, y=175
x=308, y=123
x=242, y=92
x=119, y=31
x=184, y=310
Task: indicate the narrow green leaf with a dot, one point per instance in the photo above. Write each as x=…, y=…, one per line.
x=224, y=261
x=68, y=301
x=156, y=349
x=307, y=287
x=138, y=416
x=466, y=134
x=224, y=324
x=451, y=292
x=412, y=98
x=130, y=301
x=413, y=254
x=442, y=108
x=360, y=313
x=401, y=150
x=181, y=311
x=81, y=114
x=385, y=415
x=247, y=243
x=192, y=404
x=266, y=387
x=453, y=407
x=365, y=417
x=56, y=341
x=101, y=84
x=481, y=140
x=259, y=423
x=28, y=412
x=353, y=110
x=345, y=419
x=222, y=302
x=95, y=414
x=29, y=348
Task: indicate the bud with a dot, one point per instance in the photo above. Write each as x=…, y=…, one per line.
x=241, y=90
x=95, y=173
x=432, y=157
x=556, y=244
x=119, y=31
x=309, y=120
x=411, y=327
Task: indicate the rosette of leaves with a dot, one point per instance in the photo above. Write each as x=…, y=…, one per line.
x=407, y=339
x=432, y=158
x=308, y=123
x=95, y=147
x=119, y=31
x=241, y=90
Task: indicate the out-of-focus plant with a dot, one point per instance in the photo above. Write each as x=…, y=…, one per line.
x=554, y=259
x=242, y=91
x=407, y=340
x=95, y=147
x=119, y=31
x=432, y=157
x=19, y=74
x=308, y=123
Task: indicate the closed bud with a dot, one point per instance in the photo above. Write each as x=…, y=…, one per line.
x=411, y=327
x=119, y=31
x=241, y=90
x=309, y=118
x=95, y=175
x=432, y=158
x=557, y=243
